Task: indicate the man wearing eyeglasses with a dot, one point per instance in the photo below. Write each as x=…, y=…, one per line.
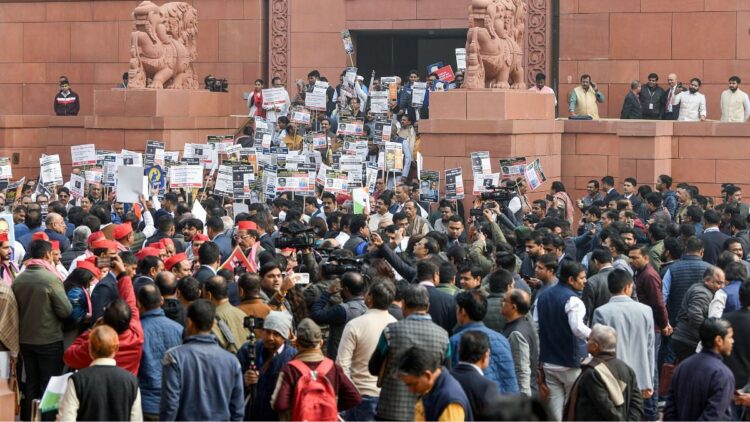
x=692, y=103
x=67, y=102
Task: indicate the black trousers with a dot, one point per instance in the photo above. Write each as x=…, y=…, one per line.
x=683, y=350
x=40, y=362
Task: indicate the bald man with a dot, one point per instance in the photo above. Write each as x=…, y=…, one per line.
x=56, y=228
x=671, y=112
x=103, y=391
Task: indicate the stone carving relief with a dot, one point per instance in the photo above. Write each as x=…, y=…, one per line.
x=163, y=46
x=494, y=54
x=536, y=39
x=278, y=39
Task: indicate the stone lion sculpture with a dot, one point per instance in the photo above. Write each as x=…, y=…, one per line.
x=163, y=46
x=494, y=57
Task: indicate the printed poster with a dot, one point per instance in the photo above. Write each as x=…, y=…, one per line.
x=512, y=167
x=50, y=171
x=454, y=184
x=83, y=155
x=480, y=162
x=429, y=185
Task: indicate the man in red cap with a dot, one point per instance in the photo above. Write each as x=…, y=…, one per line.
x=195, y=245
x=56, y=258
x=246, y=237
x=159, y=247
x=178, y=264
x=124, y=236
x=168, y=245
x=8, y=269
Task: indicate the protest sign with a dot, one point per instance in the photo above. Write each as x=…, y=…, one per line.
x=319, y=140
x=130, y=158
x=13, y=190
x=50, y=171
x=83, y=155
x=130, y=184
x=445, y=73
x=274, y=97
x=301, y=116
x=93, y=176
x=320, y=178
x=157, y=178
x=173, y=156
x=346, y=37
x=186, y=176
x=150, y=157
x=242, y=178
x=203, y=152
x=224, y=185
x=461, y=59
x=77, y=184
x=295, y=181
x=351, y=127
x=534, y=174
x=109, y=170
x=429, y=185
x=379, y=102
x=482, y=182
x=316, y=100
x=6, y=171
x=512, y=167
x=418, y=92
x=383, y=130
x=54, y=392
x=336, y=182
x=480, y=162
x=432, y=68
x=371, y=176
x=220, y=142
x=394, y=156
x=454, y=184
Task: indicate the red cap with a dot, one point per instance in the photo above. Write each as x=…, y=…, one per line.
x=89, y=264
x=342, y=197
x=104, y=244
x=167, y=241
x=93, y=237
x=156, y=245
x=288, y=250
x=148, y=251
x=4, y=237
x=174, y=260
x=247, y=225
x=122, y=230
x=55, y=245
x=200, y=237
x=40, y=236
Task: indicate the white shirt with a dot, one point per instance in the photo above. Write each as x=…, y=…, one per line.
x=358, y=342
x=717, y=305
x=692, y=106
x=735, y=106
x=575, y=310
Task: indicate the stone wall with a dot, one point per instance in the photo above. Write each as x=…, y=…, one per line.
x=89, y=42
x=617, y=41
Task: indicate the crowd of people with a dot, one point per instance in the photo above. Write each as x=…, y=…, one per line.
x=612, y=306
x=411, y=312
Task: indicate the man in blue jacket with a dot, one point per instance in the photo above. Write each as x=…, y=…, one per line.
x=159, y=335
x=201, y=381
x=471, y=308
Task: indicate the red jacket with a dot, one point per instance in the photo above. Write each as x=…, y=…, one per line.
x=128, y=356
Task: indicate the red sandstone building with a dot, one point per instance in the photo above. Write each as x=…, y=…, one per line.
x=615, y=41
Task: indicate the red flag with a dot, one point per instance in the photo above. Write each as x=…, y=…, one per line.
x=238, y=258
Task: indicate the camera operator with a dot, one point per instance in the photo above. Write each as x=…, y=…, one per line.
x=328, y=276
x=352, y=288
x=271, y=353
x=519, y=204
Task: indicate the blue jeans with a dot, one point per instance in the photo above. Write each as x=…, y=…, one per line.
x=365, y=411
x=651, y=406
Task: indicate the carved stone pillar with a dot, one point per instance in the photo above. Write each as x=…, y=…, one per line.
x=278, y=40
x=537, y=39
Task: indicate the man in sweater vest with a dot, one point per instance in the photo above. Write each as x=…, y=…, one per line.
x=583, y=99
x=559, y=313
x=103, y=391
x=441, y=397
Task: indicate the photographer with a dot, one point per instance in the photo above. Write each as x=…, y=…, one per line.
x=352, y=289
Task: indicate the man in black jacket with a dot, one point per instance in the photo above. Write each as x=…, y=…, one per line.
x=653, y=98
x=713, y=239
x=739, y=360
x=442, y=305
x=631, y=109
x=474, y=357
x=67, y=102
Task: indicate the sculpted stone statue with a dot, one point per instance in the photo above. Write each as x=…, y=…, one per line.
x=494, y=58
x=163, y=46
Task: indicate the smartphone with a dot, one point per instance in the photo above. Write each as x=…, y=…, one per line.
x=103, y=262
x=301, y=278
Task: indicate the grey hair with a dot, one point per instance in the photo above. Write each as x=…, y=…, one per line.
x=635, y=84
x=605, y=336
x=81, y=234
x=710, y=272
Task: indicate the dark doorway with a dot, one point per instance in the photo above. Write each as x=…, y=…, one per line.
x=395, y=53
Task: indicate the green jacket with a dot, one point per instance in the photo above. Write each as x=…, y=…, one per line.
x=42, y=306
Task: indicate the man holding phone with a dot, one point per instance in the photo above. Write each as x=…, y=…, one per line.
x=583, y=99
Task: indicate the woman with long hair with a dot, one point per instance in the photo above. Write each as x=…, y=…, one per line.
x=560, y=200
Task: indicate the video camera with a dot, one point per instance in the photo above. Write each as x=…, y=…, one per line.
x=296, y=237
x=495, y=193
x=343, y=265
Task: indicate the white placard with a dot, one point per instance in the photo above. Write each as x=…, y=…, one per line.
x=77, y=184
x=186, y=176
x=379, y=102
x=316, y=100
x=130, y=184
x=274, y=97
x=461, y=59
x=83, y=155
x=50, y=170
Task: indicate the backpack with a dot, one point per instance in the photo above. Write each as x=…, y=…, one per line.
x=314, y=398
